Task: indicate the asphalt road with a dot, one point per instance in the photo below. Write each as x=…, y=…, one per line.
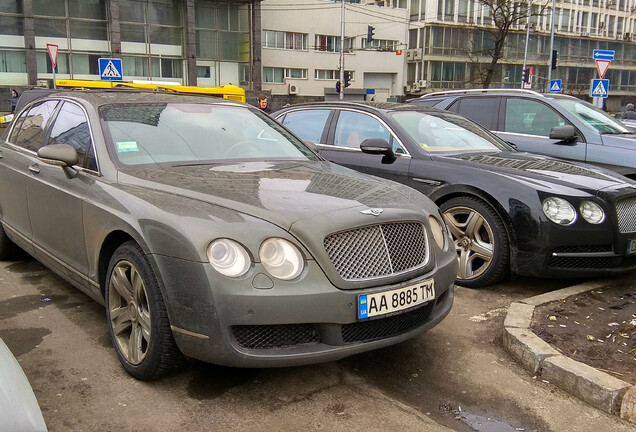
x=455, y=377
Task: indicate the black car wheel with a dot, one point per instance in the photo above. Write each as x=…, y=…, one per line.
x=481, y=241
x=8, y=249
x=137, y=317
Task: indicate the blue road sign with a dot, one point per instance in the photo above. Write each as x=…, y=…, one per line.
x=599, y=88
x=110, y=69
x=603, y=55
x=555, y=86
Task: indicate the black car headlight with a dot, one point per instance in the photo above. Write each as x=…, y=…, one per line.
x=592, y=212
x=228, y=257
x=559, y=211
x=281, y=258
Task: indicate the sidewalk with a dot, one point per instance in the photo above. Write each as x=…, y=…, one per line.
x=597, y=388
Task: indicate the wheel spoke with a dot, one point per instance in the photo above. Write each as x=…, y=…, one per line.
x=134, y=344
x=122, y=326
x=482, y=250
x=119, y=281
x=463, y=270
x=137, y=284
x=144, y=322
x=474, y=223
x=454, y=226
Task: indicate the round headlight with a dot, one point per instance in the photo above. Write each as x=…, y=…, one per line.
x=559, y=211
x=281, y=258
x=438, y=231
x=592, y=212
x=228, y=257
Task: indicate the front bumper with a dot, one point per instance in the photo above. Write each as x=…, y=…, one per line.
x=241, y=323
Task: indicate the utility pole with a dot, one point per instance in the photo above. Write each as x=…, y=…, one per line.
x=551, y=43
x=525, y=53
x=342, y=35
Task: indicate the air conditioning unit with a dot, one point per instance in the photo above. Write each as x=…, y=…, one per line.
x=407, y=88
x=409, y=54
x=627, y=36
x=415, y=87
x=609, y=3
x=293, y=89
x=619, y=37
x=417, y=54
x=422, y=83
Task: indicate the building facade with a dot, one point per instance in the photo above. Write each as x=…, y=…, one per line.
x=301, y=47
x=192, y=42
x=443, y=33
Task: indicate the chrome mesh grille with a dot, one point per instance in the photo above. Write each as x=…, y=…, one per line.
x=626, y=212
x=377, y=250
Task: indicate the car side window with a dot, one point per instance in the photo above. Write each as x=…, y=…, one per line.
x=530, y=117
x=308, y=125
x=353, y=128
x=32, y=130
x=71, y=127
x=481, y=110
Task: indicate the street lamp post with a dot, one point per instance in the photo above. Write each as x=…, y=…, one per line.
x=551, y=42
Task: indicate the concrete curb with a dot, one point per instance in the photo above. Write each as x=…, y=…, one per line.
x=597, y=388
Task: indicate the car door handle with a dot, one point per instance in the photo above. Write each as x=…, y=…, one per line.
x=35, y=169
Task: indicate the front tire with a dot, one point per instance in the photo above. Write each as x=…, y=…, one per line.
x=137, y=318
x=481, y=241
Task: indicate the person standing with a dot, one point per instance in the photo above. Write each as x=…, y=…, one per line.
x=14, y=99
x=262, y=104
x=629, y=113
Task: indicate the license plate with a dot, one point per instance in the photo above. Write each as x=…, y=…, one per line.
x=631, y=246
x=382, y=303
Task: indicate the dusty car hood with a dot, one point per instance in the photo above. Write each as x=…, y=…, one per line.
x=280, y=192
x=627, y=141
x=545, y=172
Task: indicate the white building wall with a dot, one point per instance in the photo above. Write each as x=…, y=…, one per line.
x=318, y=17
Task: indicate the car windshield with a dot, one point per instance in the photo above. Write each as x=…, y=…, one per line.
x=593, y=117
x=447, y=132
x=195, y=133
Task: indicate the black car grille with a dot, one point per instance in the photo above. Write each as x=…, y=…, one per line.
x=275, y=336
x=377, y=250
x=386, y=327
x=626, y=213
x=285, y=336
x=595, y=263
x=584, y=249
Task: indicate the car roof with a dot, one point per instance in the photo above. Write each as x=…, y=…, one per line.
x=381, y=106
x=495, y=91
x=102, y=97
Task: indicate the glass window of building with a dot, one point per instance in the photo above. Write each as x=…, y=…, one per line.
x=273, y=75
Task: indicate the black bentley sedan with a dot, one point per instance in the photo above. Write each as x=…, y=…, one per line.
x=508, y=211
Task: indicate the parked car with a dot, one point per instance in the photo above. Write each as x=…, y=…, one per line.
x=19, y=409
x=550, y=124
x=507, y=210
x=210, y=231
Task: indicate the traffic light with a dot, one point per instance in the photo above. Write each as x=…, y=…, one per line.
x=525, y=75
x=554, y=59
x=347, y=78
x=370, y=33
x=338, y=87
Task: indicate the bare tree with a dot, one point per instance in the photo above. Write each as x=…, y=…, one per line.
x=506, y=16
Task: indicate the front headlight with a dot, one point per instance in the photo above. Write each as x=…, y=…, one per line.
x=592, y=212
x=438, y=231
x=559, y=211
x=228, y=257
x=280, y=258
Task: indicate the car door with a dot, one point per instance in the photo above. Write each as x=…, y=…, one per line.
x=349, y=129
x=55, y=201
x=16, y=157
x=527, y=124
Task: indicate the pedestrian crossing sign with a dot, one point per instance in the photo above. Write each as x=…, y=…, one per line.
x=555, y=86
x=110, y=69
x=599, y=88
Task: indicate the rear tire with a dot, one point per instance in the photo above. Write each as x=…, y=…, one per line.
x=137, y=318
x=481, y=241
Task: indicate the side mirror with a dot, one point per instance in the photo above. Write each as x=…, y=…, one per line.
x=563, y=133
x=63, y=155
x=379, y=146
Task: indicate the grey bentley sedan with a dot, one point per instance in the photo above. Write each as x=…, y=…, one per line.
x=209, y=231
